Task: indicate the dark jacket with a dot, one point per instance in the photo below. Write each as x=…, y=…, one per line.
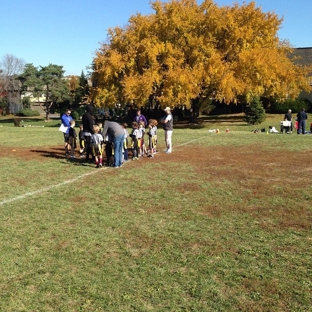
x=302, y=116
x=288, y=116
x=87, y=119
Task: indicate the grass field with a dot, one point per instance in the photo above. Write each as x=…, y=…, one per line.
x=221, y=224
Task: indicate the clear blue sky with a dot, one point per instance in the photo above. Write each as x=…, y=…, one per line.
x=67, y=32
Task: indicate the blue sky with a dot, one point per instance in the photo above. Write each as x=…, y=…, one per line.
x=67, y=32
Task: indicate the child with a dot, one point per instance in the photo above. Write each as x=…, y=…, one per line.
x=125, y=153
x=72, y=140
x=152, y=137
x=136, y=136
x=96, y=144
x=81, y=141
x=109, y=149
x=100, y=127
x=142, y=151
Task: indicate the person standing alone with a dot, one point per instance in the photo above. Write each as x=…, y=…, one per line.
x=302, y=117
x=168, y=127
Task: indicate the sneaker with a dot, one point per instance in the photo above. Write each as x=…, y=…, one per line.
x=150, y=156
x=168, y=152
x=72, y=157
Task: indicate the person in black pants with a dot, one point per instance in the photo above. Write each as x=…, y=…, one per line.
x=87, y=125
x=288, y=117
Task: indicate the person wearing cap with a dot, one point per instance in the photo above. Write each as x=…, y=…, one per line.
x=66, y=119
x=168, y=127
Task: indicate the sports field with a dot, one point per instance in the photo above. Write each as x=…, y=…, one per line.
x=224, y=223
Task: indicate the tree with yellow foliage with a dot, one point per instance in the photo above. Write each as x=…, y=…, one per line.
x=188, y=52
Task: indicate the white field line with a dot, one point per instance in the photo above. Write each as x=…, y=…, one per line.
x=48, y=188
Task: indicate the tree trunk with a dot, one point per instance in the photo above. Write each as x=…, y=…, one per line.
x=194, y=111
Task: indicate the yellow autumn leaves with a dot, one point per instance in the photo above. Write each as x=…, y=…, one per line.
x=186, y=51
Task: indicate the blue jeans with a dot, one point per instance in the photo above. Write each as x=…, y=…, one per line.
x=301, y=126
x=118, y=145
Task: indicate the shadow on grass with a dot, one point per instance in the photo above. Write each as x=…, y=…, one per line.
x=58, y=153
x=234, y=120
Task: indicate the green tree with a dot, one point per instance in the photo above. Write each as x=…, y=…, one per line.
x=255, y=113
x=47, y=81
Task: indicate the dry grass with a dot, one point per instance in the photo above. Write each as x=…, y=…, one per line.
x=221, y=224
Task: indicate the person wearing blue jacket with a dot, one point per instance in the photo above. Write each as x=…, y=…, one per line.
x=302, y=117
x=66, y=119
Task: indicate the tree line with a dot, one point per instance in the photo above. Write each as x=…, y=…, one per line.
x=47, y=84
x=184, y=54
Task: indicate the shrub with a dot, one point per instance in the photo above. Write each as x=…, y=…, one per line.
x=27, y=112
x=75, y=115
x=255, y=113
x=26, y=102
x=3, y=106
x=295, y=105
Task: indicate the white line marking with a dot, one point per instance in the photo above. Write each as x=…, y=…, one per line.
x=48, y=188
x=190, y=142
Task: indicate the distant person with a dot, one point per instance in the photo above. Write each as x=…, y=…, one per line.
x=302, y=117
x=143, y=150
x=139, y=117
x=152, y=137
x=116, y=131
x=135, y=136
x=288, y=117
x=66, y=119
x=87, y=125
x=125, y=147
x=82, y=143
x=97, y=141
x=72, y=140
x=168, y=127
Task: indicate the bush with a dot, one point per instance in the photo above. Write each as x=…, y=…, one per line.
x=75, y=115
x=295, y=105
x=27, y=112
x=26, y=102
x=255, y=113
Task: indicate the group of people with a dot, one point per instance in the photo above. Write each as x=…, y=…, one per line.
x=300, y=123
x=113, y=138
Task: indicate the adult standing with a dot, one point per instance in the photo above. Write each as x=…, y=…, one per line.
x=66, y=119
x=87, y=128
x=288, y=117
x=139, y=117
x=116, y=132
x=302, y=117
x=168, y=127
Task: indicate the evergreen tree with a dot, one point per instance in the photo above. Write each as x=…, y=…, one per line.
x=255, y=113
